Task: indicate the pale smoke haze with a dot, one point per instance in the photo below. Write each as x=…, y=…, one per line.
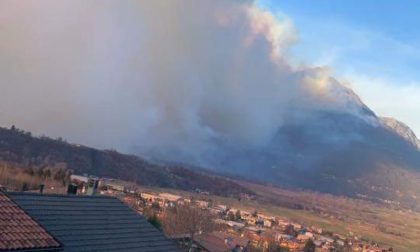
x=168, y=79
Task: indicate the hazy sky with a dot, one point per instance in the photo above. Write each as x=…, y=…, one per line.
x=182, y=76
x=374, y=45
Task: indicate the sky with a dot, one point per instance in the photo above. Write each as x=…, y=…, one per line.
x=178, y=78
x=371, y=45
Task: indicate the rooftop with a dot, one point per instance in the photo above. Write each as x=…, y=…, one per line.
x=18, y=231
x=220, y=241
x=93, y=223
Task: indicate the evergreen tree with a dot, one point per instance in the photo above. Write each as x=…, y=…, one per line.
x=238, y=215
x=309, y=246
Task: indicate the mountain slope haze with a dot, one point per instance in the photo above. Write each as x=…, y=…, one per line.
x=207, y=83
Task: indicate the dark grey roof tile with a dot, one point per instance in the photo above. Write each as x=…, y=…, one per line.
x=98, y=223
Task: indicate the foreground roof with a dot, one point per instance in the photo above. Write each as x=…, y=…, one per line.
x=93, y=223
x=18, y=231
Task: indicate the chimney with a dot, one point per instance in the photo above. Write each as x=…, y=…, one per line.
x=92, y=185
x=72, y=189
x=41, y=188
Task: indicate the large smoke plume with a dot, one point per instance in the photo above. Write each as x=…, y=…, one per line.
x=168, y=79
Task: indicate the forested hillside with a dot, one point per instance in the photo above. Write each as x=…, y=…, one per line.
x=45, y=158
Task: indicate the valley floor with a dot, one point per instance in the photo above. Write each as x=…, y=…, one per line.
x=354, y=219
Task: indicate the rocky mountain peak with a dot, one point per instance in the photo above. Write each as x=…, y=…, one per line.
x=401, y=129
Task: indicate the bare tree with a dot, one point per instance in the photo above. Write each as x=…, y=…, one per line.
x=187, y=220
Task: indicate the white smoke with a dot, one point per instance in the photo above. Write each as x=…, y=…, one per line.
x=170, y=79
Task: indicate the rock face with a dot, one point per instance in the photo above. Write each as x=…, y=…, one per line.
x=401, y=129
x=340, y=152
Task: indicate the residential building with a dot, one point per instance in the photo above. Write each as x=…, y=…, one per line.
x=169, y=197
x=221, y=242
x=79, y=178
x=202, y=203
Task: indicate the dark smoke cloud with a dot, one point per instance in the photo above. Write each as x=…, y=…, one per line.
x=168, y=79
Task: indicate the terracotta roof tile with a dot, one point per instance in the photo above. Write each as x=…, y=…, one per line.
x=19, y=231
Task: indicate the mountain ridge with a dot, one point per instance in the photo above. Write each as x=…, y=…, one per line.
x=398, y=183
x=21, y=149
x=350, y=152
x=401, y=129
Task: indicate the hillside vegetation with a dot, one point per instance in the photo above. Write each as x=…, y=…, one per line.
x=21, y=151
x=20, y=178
